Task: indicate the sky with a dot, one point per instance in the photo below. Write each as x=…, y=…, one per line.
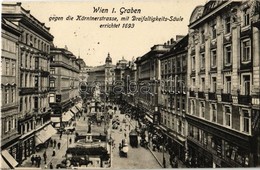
x=92, y=43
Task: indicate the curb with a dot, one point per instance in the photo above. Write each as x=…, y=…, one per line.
x=155, y=157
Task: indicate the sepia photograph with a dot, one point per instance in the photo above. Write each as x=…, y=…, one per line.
x=130, y=84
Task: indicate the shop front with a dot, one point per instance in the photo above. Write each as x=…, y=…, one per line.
x=43, y=135
x=27, y=146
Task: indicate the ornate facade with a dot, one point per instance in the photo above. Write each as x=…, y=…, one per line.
x=223, y=76
x=33, y=54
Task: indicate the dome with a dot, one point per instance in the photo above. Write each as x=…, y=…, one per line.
x=108, y=59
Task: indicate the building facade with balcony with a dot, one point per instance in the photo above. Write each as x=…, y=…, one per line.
x=9, y=87
x=173, y=97
x=64, y=85
x=34, y=49
x=148, y=81
x=223, y=76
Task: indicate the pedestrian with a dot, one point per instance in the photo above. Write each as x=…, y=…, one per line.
x=53, y=152
x=60, y=136
x=59, y=145
x=51, y=142
x=39, y=160
x=36, y=159
x=44, y=157
x=54, y=143
x=32, y=159
x=70, y=140
x=175, y=162
x=51, y=166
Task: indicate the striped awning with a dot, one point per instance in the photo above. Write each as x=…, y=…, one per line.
x=55, y=119
x=8, y=160
x=67, y=116
x=74, y=110
x=44, y=134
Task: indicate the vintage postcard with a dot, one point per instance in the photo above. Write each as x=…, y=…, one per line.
x=130, y=84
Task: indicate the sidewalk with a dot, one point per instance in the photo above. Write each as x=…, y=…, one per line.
x=60, y=154
x=159, y=155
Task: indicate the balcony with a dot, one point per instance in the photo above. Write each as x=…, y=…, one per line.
x=244, y=99
x=27, y=90
x=192, y=94
x=226, y=97
x=201, y=95
x=212, y=96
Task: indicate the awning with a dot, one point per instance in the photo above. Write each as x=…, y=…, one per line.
x=3, y=164
x=9, y=158
x=44, y=134
x=74, y=110
x=79, y=106
x=149, y=119
x=67, y=116
x=55, y=119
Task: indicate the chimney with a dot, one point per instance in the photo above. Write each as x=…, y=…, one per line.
x=172, y=41
x=179, y=37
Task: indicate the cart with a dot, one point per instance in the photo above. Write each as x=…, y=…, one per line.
x=133, y=137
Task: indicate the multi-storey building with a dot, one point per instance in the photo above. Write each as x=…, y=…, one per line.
x=9, y=96
x=173, y=98
x=102, y=75
x=119, y=79
x=148, y=80
x=223, y=76
x=34, y=48
x=130, y=89
x=64, y=85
